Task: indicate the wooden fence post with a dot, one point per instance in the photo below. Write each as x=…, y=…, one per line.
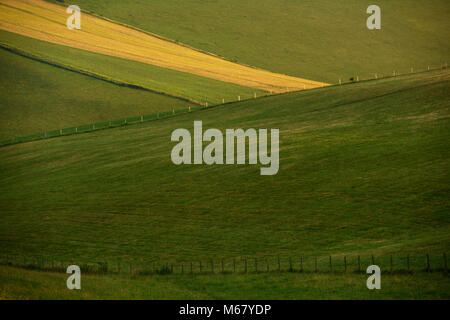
x=445, y=262
x=407, y=259
x=373, y=259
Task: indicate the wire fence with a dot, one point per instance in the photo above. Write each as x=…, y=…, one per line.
x=161, y=115
x=299, y=264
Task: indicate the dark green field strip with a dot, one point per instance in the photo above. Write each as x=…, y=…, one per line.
x=363, y=168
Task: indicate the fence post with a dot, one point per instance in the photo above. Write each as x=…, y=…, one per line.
x=373, y=259
x=223, y=100
x=445, y=262
x=407, y=259
x=428, y=262
x=340, y=81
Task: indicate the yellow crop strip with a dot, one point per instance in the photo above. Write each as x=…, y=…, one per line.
x=47, y=21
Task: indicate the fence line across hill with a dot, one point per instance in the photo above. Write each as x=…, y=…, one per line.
x=161, y=115
x=243, y=265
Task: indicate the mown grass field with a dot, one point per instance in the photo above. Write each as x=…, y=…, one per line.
x=26, y=284
x=363, y=170
x=45, y=21
x=173, y=82
x=322, y=40
x=36, y=97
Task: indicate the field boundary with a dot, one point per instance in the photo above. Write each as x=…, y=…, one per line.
x=242, y=265
x=90, y=74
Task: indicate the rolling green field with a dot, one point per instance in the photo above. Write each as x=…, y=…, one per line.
x=363, y=170
x=180, y=84
x=36, y=97
x=322, y=40
x=25, y=284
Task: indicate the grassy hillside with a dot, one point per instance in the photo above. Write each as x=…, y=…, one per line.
x=36, y=97
x=323, y=40
x=363, y=169
x=25, y=284
x=159, y=79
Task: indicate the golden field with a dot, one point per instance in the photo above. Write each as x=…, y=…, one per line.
x=46, y=21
